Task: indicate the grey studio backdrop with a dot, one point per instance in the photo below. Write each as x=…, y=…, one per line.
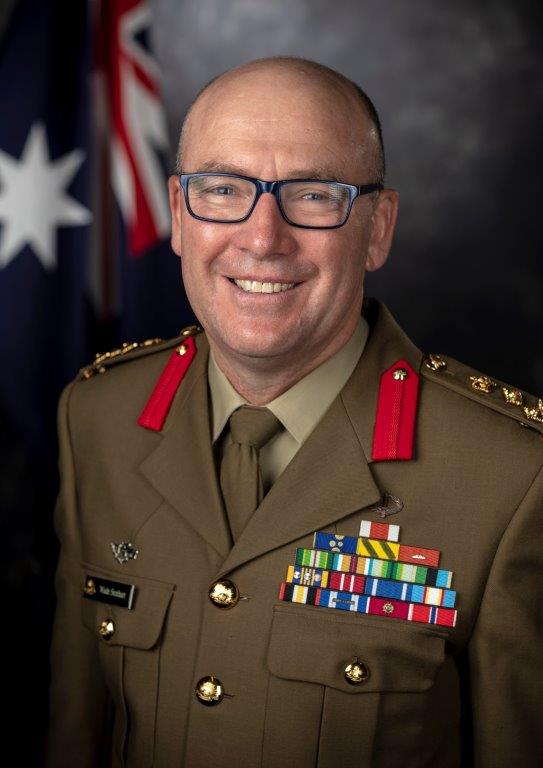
x=459, y=90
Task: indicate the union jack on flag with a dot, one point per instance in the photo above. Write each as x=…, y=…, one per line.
x=131, y=143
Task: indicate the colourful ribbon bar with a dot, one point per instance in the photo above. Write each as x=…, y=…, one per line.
x=365, y=585
x=386, y=569
x=372, y=530
x=374, y=606
x=308, y=577
x=419, y=556
x=385, y=550
x=353, y=545
x=334, y=542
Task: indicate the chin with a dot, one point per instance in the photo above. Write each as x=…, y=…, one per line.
x=256, y=342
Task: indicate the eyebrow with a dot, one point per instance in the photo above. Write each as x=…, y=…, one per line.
x=317, y=172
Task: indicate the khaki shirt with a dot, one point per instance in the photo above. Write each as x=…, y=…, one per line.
x=299, y=408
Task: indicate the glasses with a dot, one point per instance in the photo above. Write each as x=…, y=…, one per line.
x=227, y=198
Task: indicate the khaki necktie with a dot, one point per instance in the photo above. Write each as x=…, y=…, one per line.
x=240, y=476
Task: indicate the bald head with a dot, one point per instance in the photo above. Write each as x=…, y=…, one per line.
x=276, y=84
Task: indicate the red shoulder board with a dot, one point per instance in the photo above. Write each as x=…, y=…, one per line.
x=396, y=411
x=154, y=414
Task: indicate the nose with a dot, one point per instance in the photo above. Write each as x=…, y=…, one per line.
x=265, y=232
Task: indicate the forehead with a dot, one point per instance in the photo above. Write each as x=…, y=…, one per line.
x=277, y=119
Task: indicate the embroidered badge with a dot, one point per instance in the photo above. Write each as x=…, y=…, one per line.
x=373, y=574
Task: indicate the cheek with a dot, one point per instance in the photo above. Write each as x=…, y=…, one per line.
x=201, y=243
x=341, y=264
x=201, y=252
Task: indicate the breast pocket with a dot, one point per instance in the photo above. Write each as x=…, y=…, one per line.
x=329, y=676
x=129, y=642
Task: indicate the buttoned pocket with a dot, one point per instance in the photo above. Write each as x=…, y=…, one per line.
x=129, y=642
x=336, y=670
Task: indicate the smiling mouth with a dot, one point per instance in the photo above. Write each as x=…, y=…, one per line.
x=255, y=286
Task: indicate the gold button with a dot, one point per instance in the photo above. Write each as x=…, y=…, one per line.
x=210, y=691
x=400, y=374
x=106, y=629
x=181, y=350
x=224, y=594
x=356, y=672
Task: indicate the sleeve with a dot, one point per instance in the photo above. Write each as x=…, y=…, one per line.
x=80, y=708
x=506, y=648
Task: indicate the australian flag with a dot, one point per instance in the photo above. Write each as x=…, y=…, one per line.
x=45, y=212
x=85, y=260
x=85, y=264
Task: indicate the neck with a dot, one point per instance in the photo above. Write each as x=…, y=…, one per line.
x=260, y=380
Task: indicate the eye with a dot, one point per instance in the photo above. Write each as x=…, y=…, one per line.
x=314, y=196
x=308, y=193
x=223, y=190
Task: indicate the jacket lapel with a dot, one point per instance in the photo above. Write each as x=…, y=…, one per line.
x=326, y=480
x=181, y=467
x=330, y=476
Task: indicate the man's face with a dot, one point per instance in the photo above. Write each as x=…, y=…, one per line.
x=274, y=125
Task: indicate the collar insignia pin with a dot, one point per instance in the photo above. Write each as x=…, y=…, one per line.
x=388, y=505
x=124, y=551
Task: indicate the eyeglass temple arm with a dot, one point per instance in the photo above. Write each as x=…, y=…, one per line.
x=366, y=189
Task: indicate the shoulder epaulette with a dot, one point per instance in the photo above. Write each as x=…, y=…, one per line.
x=497, y=395
x=134, y=350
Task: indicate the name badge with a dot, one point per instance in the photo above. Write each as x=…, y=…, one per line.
x=113, y=592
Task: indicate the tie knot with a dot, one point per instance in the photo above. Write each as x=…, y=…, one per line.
x=254, y=426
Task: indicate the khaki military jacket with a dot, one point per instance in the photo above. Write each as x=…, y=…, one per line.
x=123, y=679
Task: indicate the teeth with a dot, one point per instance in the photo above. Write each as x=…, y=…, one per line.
x=254, y=286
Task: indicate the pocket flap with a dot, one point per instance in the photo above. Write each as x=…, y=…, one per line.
x=139, y=626
x=308, y=646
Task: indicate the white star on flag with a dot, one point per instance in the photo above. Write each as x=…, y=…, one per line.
x=33, y=199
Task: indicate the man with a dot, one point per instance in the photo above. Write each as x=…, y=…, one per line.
x=293, y=539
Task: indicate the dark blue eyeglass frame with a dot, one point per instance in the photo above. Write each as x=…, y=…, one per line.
x=274, y=187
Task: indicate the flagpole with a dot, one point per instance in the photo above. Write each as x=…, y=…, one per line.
x=6, y=12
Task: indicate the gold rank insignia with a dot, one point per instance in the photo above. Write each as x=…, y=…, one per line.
x=513, y=396
x=100, y=358
x=498, y=396
x=535, y=413
x=483, y=384
x=103, y=360
x=435, y=362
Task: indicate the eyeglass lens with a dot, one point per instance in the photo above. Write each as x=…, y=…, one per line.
x=313, y=204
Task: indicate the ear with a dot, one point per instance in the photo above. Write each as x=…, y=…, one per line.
x=175, y=194
x=383, y=223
